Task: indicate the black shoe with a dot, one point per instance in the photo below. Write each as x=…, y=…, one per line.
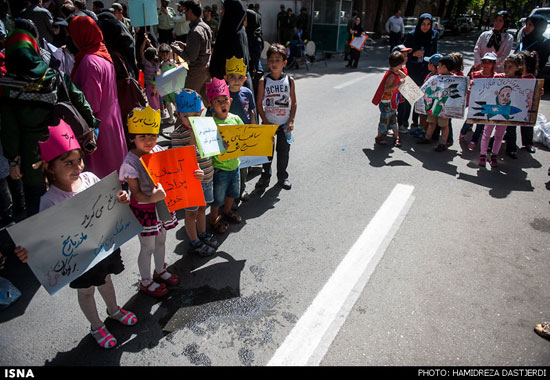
x=263, y=182
x=440, y=148
x=513, y=155
x=245, y=196
x=285, y=184
x=530, y=149
x=424, y=141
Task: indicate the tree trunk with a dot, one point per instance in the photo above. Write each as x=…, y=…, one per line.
x=411, y=6
x=441, y=8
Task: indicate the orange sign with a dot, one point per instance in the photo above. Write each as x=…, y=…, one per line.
x=173, y=169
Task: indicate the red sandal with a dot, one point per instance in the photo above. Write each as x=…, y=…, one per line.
x=158, y=292
x=173, y=280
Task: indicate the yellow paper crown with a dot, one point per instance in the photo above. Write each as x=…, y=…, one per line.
x=144, y=121
x=235, y=66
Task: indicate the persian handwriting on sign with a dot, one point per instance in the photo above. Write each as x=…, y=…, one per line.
x=174, y=170
x=209, y=140
x=247, y=140
x=410, y=90
x=92, y=226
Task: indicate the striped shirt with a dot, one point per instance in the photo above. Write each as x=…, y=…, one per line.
x=182, y=137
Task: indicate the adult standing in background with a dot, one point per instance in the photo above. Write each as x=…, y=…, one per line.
x=395, y=28
x=351, y=24
x=81, y=6
x=94, y=73
x=118, y=12
x=181, y=25
x=98, y=6
x=41, y=18
x=166, y=22
x=211, y=22
x=215, y=14
x=423, y=42
x=197, y=50
x=303, y=23
x=496, y=41
x=280, y=19
x=255, y=40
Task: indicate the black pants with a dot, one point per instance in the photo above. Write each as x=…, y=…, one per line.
x=283, y=149
x=354, y=57
x=510, y=138
x=166, y=35
x=395, y=39
x=403, y=113
x=181, y=38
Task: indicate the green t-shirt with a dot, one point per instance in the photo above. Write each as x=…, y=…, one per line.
x=232, y=163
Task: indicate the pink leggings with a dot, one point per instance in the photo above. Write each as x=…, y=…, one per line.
x=499, y=135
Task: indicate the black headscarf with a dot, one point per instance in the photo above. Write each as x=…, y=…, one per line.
x=232, y=40
x=496, y=37
x=423, y=39
x=528, y=41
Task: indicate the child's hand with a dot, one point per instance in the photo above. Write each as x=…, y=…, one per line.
x=158, y=193
x=122, y=197
x=289, y=126
x=199, y=174
x=402, y=74
x=21, y=253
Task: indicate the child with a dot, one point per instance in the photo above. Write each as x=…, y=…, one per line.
x=488, y=64
x=276, y=102
x=513, y=68
x=386, y=98
x=202, y=243
x=404, y=107
x=502, y=98
x=227, y=180
x=433, y=62
x=444, y=67
x=242, y=103
x=143, y=129
x=167, y=63
x=149, y=59
x=62, y=162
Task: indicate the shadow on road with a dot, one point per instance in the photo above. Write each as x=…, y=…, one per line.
x=212, y=285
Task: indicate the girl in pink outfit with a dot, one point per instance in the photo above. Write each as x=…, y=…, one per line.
x=149, y=59
x=94, y=74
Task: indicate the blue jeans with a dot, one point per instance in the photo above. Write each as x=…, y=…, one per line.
x=388, y=118
x=226, y=184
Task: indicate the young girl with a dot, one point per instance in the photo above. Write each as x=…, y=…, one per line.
x=143, y=128
x=166, y=63
x=512, y=67
x=150, y=62
x=62, y=160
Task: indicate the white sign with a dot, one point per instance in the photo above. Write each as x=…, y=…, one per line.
x=410, y=90
x=209, y=140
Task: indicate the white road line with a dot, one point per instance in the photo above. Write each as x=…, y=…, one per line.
x=350, y=82
x=313, y=334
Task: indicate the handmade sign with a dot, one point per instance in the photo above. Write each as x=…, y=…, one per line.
x=73, y=236
x=172, y=80
x=173, y=169
x=247, y=140
x=444, y=95
x=143, y=12
x=504, y=101
x=209, y=140
x=410, y=90
x=358, y=42
x=247, y=161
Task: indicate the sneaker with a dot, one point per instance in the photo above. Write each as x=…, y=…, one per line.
x=285, y=184
x=494, y=161
x=203, y=250
x=209, y=239
x=416, y=132
x=403, y=129
x=263, y=182
x=441, y=147
x=471, y=145
x=482, y=161
x=245, y=196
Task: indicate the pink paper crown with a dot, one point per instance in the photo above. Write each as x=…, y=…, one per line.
x=216, y=88
x=61, y=140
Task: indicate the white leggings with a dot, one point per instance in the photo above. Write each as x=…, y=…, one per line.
x=151, y=245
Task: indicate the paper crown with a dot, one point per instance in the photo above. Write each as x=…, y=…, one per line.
x=235, y=66
x=188, y=101
x=61, y=140
x=144, y=121
x=216, y=88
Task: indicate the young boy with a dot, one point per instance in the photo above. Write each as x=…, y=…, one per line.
x=386, y=98
x=242, y=103
x=227, y=181
x=445, y=66
x=404, y=108
x=276, y=102
x=433, y=62
x=189, y=104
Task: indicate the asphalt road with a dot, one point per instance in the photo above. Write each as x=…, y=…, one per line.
x=462, y=282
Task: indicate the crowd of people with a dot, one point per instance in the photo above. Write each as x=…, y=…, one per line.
x=71, y=90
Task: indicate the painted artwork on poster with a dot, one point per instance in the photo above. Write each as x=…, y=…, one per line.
x=511, y=101
x=444, y=96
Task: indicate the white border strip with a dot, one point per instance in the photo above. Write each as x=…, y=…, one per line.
x=313, y=334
